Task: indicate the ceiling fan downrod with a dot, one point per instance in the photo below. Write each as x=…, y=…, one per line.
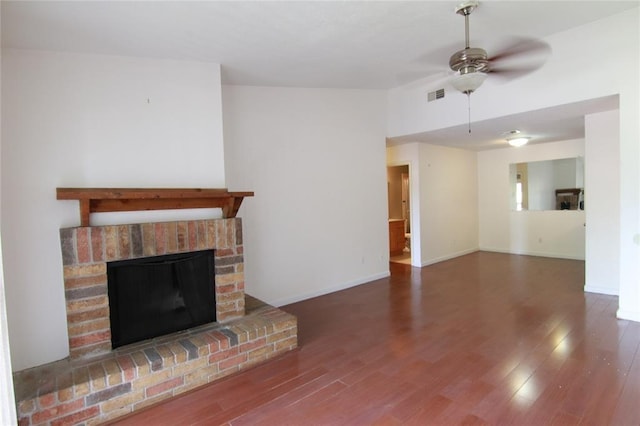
x=469, y=63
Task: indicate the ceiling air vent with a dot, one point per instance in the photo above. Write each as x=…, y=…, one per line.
x=438, y=94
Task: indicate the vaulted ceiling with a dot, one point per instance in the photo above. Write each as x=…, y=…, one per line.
x=345, y=44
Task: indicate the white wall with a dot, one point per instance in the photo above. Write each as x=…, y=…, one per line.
x=448, y=203
x=540, y=233
x=90, y=121
x=7, y=399
x=617, y=71
x=602, y=269
x=316, y=161
x=447, y=190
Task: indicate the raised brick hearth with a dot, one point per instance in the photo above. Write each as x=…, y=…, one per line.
x=96, y=384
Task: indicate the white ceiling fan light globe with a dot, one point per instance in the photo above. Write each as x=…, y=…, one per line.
x=518, y=142
x=469, y=82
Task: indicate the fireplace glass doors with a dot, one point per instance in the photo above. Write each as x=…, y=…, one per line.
x=153, y=296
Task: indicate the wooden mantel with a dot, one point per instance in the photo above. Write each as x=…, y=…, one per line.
x=101, y=200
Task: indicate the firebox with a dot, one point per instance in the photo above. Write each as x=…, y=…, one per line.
x=154, y=296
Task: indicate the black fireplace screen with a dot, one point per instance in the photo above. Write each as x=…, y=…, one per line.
x=153, y=296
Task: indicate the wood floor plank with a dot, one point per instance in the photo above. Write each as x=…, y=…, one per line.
x=483, y=339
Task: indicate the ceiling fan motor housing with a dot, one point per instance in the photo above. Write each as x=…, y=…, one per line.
x=470, y=59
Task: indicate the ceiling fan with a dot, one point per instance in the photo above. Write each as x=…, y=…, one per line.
x=472, y=65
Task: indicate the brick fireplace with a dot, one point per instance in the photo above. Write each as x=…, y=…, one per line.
x=96, y=384
x=86, y=251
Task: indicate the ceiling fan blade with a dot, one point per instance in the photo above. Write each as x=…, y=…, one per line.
x=519, y=58
x=511, y=73
x=520, y=47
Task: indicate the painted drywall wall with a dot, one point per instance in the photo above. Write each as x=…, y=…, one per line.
x=617, y=71
x=7, y=399
x=539, y=233
x=448, y=203
x=73, y=120
x=316, y=161
x=602, y=269
x=448, y=207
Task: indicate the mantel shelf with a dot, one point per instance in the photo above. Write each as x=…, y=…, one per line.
x=102, y=200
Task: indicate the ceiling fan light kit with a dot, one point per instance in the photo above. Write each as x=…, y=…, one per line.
x=468, y=83
x=517, y=142
x=515, y=139
x=470, y=63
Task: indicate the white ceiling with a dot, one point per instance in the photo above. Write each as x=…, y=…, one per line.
x=345, y=44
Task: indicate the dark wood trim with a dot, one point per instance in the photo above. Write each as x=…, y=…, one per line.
x=101, y=200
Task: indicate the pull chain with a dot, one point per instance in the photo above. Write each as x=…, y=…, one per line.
x=469, y=110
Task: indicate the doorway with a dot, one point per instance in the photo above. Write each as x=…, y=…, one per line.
x=399, y=199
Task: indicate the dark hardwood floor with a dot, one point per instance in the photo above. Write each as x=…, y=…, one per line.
x=486, y=338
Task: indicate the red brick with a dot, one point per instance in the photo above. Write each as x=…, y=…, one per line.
x=161, y=246
x=57, y=411
x=222, y=355
x=93, y=314
x=64, y=385
x=47, y=400
x=193, y=235
x=102, y=347
x=227, y=288
x=77, y=417
x=87, y=304
x=246, y=347
x=202, y=235
x=148, y=239
x=111, y=242
x=82, y=245
x=85, y=281
x=225, y=252
x=222, y=338
x=221, y=241
x=230, y=233
x=97, y=245
x=232, y=362
x=172, y=237
x=161, y=387
x=182, y=235
x=80, y=328
x=239, y=249
x=89, y=339
x=211, y=234
x=124, y=241
x=127, y=366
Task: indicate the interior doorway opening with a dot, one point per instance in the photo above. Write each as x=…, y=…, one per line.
x=399, y=199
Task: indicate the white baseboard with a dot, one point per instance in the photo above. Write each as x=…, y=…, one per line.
x=449, y=256
x=533, y=253
x=322, y=292
x=628, y=315
x=601, y=290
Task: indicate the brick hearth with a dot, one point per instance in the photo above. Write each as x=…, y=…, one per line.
x=96, y=384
